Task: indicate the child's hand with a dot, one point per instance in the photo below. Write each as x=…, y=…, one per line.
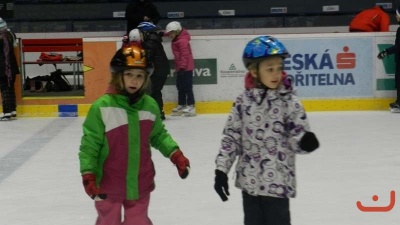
x=181, y=162
x=221, y=185
x=89, y=182
x=309, y=142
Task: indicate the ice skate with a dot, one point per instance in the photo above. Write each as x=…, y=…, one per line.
x=178, y=110
x=14, y=115
x=5, y=116
x=162, y=115
x=394, y=107
x=189, y=111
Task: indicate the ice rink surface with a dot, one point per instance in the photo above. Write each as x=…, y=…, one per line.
x=359, y=157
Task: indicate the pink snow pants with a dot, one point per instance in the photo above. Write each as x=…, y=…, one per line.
x=135, y=212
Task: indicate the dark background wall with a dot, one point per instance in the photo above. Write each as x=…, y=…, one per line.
x=57, y=15
x=191, y=8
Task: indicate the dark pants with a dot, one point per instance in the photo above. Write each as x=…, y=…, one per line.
x=8, y=94
x=156, y=85
x=397, y=86
x=184, y=84
x=264, y=210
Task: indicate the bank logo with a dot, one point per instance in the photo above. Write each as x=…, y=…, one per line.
x=204, y=72
x=232, y=72
x=322, y=69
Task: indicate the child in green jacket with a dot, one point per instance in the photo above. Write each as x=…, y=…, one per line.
x=118, y=133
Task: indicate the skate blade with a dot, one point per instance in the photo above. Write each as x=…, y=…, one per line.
x=177, y=114
x=189, y=114
x=394, y=110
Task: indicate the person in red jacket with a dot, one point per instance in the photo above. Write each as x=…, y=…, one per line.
x=370, y=20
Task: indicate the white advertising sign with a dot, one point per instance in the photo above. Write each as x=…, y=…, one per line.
x=278, y=10
x=385, y=5
x=173, y=15
x=226, y=12
x=330, y=8
x=118, y=14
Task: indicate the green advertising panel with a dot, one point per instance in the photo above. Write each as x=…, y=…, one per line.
x=388, y=61
x=205, y=72
x=387, y=84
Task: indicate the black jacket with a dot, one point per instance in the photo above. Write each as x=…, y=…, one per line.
x=137, y=10
x=13, y=65
x=395, y=49
x=155, y=53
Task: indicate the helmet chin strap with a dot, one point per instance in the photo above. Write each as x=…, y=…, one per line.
x=133, y=98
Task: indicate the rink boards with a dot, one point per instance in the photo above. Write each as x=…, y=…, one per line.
x=330, y=72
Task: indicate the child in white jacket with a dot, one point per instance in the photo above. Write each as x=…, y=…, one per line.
x=267, y=126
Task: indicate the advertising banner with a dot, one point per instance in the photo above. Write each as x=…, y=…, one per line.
x=321, y=67
x=385, y=68
x=331, y=67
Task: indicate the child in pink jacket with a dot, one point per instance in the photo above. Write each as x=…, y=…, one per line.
x=184, y=65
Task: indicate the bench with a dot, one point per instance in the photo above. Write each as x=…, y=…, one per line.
x=53, y=45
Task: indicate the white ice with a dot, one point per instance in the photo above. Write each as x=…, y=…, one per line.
x=359, y=157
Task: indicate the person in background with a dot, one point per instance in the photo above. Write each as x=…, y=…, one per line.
x=184, y=65
x=374, y=19
x=139, y=11
x=8, y=71
x=266, y=128
x=395, y=49
x=118, y=133
x=152, y=43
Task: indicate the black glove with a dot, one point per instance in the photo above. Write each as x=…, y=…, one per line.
x=221, y=185
x=382, y=54
x=309, y=142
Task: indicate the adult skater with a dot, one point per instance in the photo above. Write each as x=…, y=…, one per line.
x=395, y=49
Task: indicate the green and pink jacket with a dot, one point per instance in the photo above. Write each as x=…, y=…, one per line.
x=116, y=145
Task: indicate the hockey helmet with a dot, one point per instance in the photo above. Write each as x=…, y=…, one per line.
x=131, y=56
x=134, y=35
x=147, y=26
x=173, y=26
x=262, y=47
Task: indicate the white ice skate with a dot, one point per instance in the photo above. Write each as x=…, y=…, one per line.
x=5, y=116
x=189, y=111
x=14, y=115
x=178, y=110
x=394, y=108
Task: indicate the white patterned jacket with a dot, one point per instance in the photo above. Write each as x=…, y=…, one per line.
x=263, y=131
